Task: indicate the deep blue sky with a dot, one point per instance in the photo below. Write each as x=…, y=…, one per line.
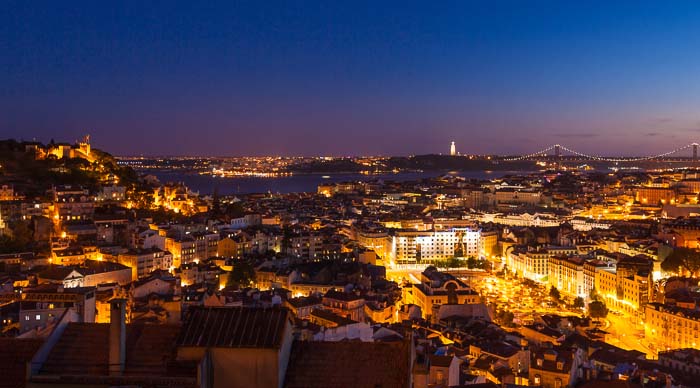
x=352, y=78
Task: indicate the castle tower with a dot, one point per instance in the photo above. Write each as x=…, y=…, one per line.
x=85, y=145
x=453, y=149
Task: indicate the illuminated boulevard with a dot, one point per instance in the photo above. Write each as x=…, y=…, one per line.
x=527, y=300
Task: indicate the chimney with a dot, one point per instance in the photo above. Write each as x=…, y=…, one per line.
x=117, y=336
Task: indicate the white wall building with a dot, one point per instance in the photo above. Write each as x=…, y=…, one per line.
x=424, y=247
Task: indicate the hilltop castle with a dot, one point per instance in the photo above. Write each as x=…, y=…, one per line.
x=80, y=149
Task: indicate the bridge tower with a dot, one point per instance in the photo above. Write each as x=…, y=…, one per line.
x=695, y=152
x=557, y=157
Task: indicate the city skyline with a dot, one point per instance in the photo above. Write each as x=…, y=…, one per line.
x=360, y=194
x=282, y=79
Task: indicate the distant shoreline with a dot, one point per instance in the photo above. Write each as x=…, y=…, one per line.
x=306, y=182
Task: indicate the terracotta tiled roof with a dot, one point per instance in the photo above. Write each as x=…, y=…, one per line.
x=83, y=349
x=234, y=327
x=329, y=316
x=14, y=355
x=349, y=364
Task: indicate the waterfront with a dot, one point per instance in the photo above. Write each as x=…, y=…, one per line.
x=205, y=184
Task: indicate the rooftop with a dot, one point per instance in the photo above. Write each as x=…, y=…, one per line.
x=349, y=364
x=14, y=356
x=234, y=327
x=83, y=349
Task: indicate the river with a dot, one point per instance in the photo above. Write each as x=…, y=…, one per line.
x=205, y=184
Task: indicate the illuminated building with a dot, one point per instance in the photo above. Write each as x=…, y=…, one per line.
x=71, y=255
x=330, y=189
x=590, y=268
x=627, y=286
x=72, y=203
x=194, y=273
x=551, y=368
x=440, y=288
x=82, y=150
x=670, y=327
x=305, y=245
x=453, y=149
x=348, y=305
x=530, y=264
x=380, y=312
x=145, y=261
x=378, y=241
x=655, y=195
x=46, y=302
x=112, y=193
x=686, y=361
x=175, y=197
x=489, y=242
x=245, y=221
x=522, y=219
x=566, y=274
x=512, y=196
x=587, y=224
x=682, y=232
x=32, y=209
x=233, y=246
x=90, y=273
x=7, y=193
x=183, y=250
x=424, y=247
x=533, y=263
x=206, y=245
x=59, y=150
x=326, y=190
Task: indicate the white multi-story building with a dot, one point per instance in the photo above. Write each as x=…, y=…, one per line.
x=424, y=247
x=112, y=193
x=529, y=264
x=144, y=261
x=567, y=275
x=533, y=264
x=523, y=219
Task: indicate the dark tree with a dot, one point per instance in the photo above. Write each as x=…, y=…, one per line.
x=682, y=259
x=216, y=203
x=235, y=210
x=597, y=309
x=242, y=275
x=554, y=293
x=505, y=318
x=579, y=303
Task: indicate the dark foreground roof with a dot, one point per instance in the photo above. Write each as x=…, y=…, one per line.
x=349, y=364
x=14, y=356
x=83, y=350
x=234, y=327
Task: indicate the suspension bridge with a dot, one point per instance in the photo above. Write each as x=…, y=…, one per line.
x=558, y=151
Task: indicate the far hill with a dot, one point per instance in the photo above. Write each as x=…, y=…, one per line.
x=413, y=163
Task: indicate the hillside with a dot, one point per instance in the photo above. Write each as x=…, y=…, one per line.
x=21, y=167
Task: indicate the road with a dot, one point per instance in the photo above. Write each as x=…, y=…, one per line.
x=626, y=333
x=526, y=300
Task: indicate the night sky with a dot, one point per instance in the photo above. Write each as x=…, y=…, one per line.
x=350, y=77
